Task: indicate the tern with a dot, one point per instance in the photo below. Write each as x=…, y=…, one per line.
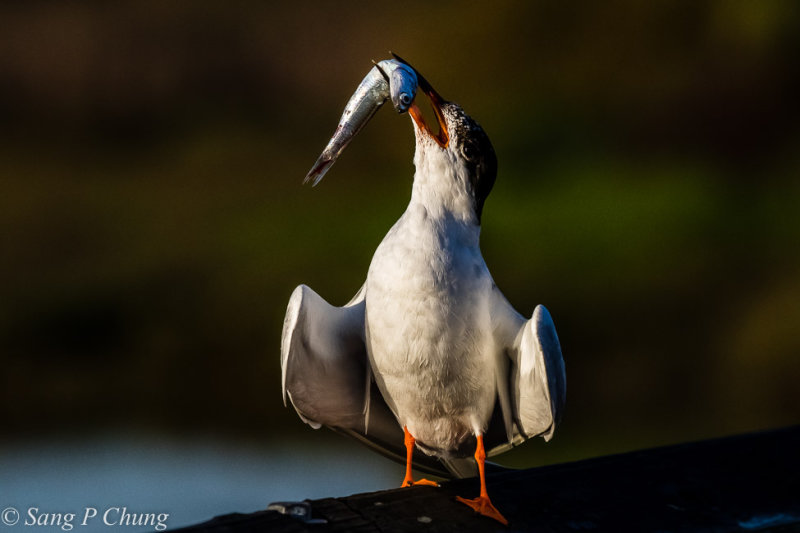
x=429, y=355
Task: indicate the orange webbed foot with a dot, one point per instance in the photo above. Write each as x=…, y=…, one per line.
x=484, y=506
x=408, y=480
x=427, y=482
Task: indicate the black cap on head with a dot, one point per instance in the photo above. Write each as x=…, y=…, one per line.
x=475, y=148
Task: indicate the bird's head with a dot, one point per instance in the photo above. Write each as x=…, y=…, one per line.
x=454, y=153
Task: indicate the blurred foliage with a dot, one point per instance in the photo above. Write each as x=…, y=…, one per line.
x=153, y=222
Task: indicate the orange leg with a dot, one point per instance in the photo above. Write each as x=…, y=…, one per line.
x=409, y=480
x=482, y=504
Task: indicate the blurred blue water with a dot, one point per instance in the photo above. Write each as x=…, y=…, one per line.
x=191, y=479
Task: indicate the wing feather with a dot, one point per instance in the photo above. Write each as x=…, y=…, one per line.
x=324, y=360
x=532, y=386
x=540, y=382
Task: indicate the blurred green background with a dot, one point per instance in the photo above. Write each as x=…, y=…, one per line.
x=153, y=223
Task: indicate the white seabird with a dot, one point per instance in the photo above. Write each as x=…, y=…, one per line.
x=429, y=344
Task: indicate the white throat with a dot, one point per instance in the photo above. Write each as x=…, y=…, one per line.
x=441, y=183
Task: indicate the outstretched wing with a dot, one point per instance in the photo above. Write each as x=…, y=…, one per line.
x=327, y=377
x=324, y=360
x=532, y=383
x=538, y=379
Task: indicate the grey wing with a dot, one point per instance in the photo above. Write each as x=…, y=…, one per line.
x=532, y=384
x=538, y=380
x=324, y=360
x=327, y=378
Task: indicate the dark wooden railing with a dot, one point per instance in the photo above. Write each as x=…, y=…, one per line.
x=742, y=483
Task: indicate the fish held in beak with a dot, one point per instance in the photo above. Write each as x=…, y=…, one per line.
x=387, y=79
x=442, y=136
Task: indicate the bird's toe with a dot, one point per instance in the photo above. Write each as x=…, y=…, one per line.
x=484, y=506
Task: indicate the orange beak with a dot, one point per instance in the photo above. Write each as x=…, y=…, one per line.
x=442, y=137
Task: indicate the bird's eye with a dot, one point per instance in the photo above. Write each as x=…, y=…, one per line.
x=405, y=99
x=469, y=151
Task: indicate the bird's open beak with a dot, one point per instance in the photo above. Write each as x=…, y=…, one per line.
x=442, y=137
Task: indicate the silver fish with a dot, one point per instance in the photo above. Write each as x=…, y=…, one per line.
x=387, y=79
x=402, y=84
